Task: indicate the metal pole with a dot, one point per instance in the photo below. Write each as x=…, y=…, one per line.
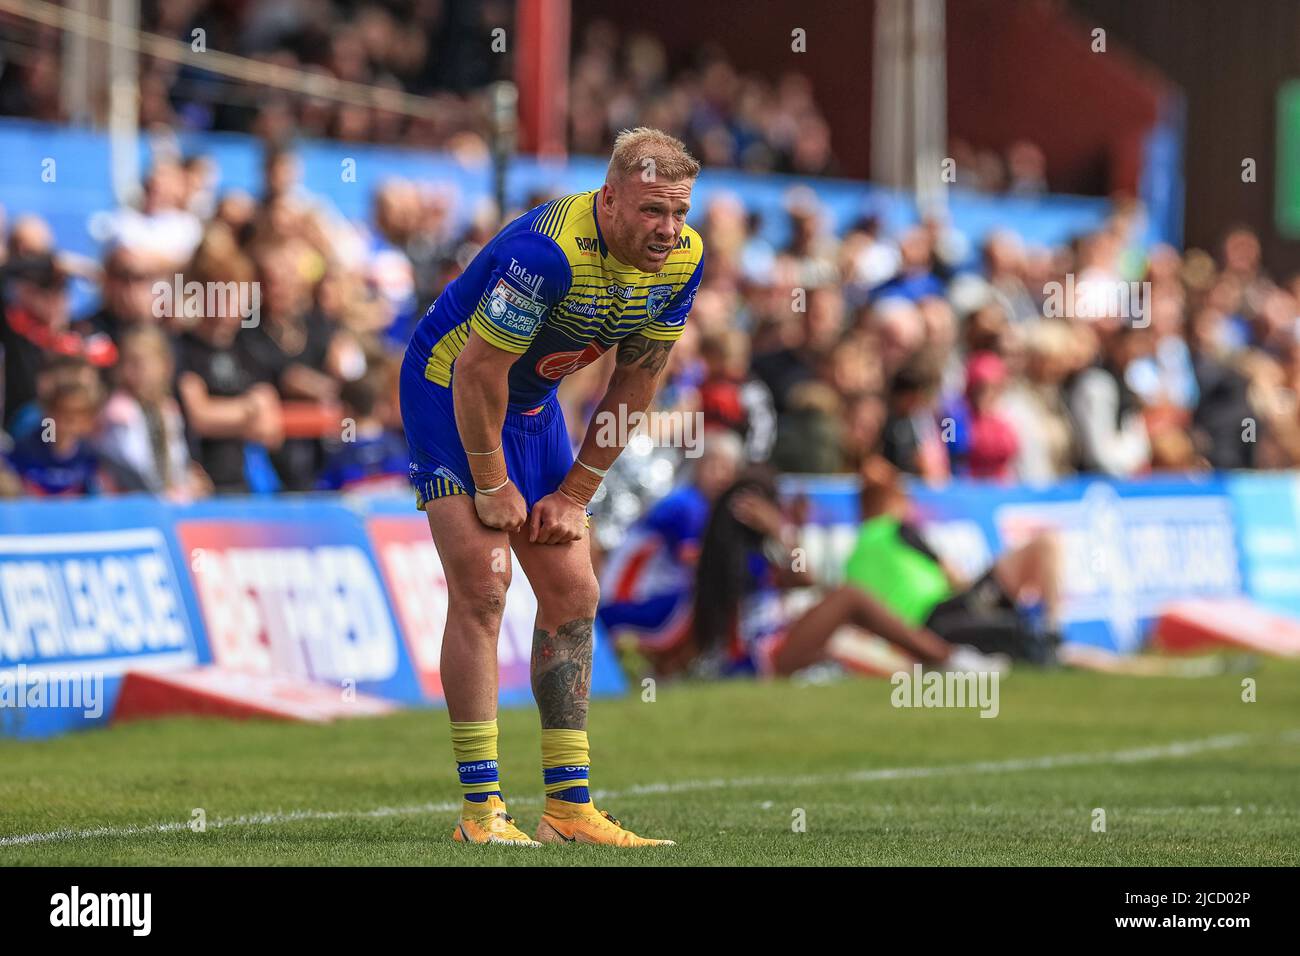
x=76, y=71
x=930, y=118
x=890, y=130
x=505, y=124
x=123, y=99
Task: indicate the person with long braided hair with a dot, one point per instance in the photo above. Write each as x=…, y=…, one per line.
x=740, y=622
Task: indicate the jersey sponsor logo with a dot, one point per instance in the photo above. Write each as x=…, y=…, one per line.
x=531, y=281
x=683, y=243
x=559, y=364
x=620, y=291
x=510, y=309
x=586, y=306
x=656, y=299
x=586, y=243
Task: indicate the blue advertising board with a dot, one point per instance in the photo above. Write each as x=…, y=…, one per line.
x=1128, y=548
x=330, y=589
x=86, y=593
x=318, y=588
x=1267, y=507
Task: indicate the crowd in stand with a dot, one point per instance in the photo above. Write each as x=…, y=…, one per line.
x=726, y=117
x=1005, y=362
x=995, y=360
x=1027, y=364
x=446, y=54
x=442, y=52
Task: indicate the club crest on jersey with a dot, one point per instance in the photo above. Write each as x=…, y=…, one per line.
x=656, y=299
x=559, y=364
x=511, y=309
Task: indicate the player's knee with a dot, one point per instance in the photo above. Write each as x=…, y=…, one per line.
x=573, y=600
x=482, y=602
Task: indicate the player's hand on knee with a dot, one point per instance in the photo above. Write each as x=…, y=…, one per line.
x=502, y=510
x=556, y=519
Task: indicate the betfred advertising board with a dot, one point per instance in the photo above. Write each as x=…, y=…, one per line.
x=296, y=593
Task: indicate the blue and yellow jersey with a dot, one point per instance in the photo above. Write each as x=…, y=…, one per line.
x=547, y=288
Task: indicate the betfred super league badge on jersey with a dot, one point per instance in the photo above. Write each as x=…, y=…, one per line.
x=511, y=309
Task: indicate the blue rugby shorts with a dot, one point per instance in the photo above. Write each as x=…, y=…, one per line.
x=535, y=441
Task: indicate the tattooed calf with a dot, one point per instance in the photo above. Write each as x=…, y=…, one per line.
x=562, y=674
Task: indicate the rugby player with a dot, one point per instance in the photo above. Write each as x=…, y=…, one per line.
x=614, y=268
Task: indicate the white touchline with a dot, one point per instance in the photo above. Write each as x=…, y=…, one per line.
x=1185, y=748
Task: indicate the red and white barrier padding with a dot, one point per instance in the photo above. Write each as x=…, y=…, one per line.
x=219, y=692
x=1201, y=625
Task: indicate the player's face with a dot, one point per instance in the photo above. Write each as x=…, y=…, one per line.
x=646, y=219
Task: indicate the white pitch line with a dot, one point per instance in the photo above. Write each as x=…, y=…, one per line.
x=1176, y=749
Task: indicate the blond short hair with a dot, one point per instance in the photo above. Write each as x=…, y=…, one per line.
x=1050, y=337
x=636, y=149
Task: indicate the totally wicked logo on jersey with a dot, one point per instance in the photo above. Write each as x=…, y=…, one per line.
x=297, y=598
x=531, y=281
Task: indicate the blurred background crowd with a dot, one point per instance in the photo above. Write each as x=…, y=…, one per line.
x=946, y=356
x=445, y=52
x=816, y=354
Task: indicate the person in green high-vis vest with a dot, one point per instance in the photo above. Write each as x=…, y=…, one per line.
x=892, y=562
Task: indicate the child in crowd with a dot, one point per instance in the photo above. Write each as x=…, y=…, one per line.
x=58, y=459
x=142, y=441
x=369, y=459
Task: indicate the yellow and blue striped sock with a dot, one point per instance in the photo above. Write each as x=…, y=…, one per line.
x=566, y=765
x=474, y=744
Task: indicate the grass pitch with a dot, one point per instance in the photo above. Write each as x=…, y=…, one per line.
x=1186, y=772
